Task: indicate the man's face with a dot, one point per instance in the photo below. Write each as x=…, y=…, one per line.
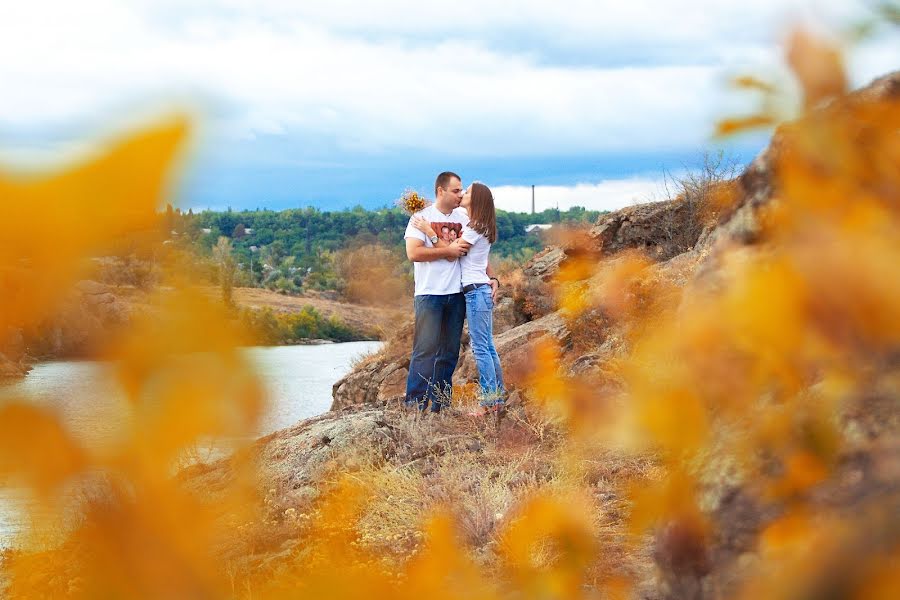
x=453, y=193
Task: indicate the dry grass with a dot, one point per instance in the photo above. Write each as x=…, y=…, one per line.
x=480, y=474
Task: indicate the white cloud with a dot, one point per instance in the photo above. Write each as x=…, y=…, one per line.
x=610, y=194
x=472, y=77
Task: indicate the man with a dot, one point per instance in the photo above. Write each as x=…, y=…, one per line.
x=440, y=306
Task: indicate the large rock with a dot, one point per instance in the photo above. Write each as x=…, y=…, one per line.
x=381, y=379
x=514, y=347
x=661, y=229
x=758, y=182
x=292, y=464
x=545, y=264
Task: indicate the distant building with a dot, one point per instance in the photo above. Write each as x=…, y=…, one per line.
x=538, y=227
x=206, y=230
x=248, y=230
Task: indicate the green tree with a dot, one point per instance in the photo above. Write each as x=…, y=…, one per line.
x=226, y=264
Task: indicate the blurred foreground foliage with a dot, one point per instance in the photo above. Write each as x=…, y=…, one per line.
x=748, y=370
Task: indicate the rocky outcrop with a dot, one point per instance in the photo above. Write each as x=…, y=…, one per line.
x=514, y=347
x=544, y=265
x=295, y=459
x=379, y=379
x=757, y=185
x=657, y=228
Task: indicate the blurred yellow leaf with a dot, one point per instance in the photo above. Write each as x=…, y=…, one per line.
x=818, y=66
x=35, y=447
x=61, y=219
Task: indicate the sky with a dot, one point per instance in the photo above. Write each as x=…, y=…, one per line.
x=339, y=103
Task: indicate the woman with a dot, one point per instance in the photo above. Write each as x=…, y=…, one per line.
x=477, y=237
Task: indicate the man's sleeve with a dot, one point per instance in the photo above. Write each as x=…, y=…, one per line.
x=412, y=232
x=470, y=235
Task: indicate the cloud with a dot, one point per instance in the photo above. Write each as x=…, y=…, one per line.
x=284, y=85
x=610, y=194
x=573, y=76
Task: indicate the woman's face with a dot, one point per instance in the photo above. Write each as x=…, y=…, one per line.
x=452, y=234
x=467, y=198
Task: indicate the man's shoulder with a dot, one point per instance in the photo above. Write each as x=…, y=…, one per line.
x=425, y=213
x=460, y=215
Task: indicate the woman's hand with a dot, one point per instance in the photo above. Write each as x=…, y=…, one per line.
x=458, y=251
x=423, y=225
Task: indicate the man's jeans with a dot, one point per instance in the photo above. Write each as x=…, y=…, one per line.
x=439, y=321
x=480, y=314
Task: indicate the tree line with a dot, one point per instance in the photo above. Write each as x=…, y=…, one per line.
x=300, y=248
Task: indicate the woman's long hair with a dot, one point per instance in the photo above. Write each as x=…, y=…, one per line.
x=482, y=216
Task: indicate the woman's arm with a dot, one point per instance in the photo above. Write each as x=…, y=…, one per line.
x=416, y=251
x=425, y=227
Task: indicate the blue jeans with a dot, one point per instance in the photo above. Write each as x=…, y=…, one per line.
x=439, y=321
x=479, y=313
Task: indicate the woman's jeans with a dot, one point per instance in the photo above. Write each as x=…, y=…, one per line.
x=480, y=314
x=439, y=322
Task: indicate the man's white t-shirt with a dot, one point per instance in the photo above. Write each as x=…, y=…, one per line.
x=437, y=277
x=474, y=264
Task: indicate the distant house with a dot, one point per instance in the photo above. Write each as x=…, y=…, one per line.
x=538, y=227
x=206, y=230
x=248, y=230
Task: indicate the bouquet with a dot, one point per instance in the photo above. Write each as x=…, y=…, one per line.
x=412, y=202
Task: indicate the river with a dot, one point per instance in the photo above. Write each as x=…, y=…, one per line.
x=298, y=381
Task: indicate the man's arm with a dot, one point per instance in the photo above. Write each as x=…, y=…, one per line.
x=417, y=252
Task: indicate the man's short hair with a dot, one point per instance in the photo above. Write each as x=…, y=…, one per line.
x=443, y=180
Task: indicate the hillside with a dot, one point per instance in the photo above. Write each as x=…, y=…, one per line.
x=364, y=318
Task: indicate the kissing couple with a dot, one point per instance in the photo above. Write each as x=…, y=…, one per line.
x=449, y=243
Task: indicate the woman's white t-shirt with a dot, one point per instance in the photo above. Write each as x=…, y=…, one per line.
x=474, y=264
x=437, y=277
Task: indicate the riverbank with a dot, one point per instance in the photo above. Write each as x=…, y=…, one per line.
x=93, y=313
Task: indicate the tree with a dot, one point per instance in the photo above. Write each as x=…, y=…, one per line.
x=225, y=262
